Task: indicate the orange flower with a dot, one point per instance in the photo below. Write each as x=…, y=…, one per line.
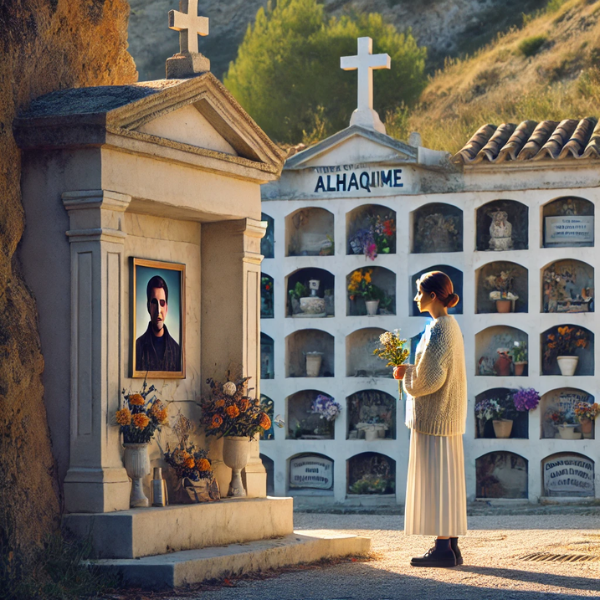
x=552, y=345
x=244, y=404
x=161, y=415
x=551, y=337
x=232, y=411
x=123, y=416
x=190, y=463
x=140, y=420
x=564, y=330
x=265, y=421
x=136, y=400
x=220, y=403
x=217, y=421
x=203, y=465
x=581, y=343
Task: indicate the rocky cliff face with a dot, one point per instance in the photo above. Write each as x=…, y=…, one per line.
x=45, y=45
x=446, y=27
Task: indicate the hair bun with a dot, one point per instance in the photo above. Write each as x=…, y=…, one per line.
x=452, y=300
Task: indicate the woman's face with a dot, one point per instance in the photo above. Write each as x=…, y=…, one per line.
x=424, y=300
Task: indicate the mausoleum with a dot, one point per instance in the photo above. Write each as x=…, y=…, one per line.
x=511, y=219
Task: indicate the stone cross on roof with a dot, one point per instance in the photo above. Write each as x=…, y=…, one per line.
x=189, y=61
x=365, y=62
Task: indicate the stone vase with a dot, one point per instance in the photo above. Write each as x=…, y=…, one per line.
x=503, y=306
x=235, y=455
x=567, y=432
x=372, y=306
x=567, y=365
x=587, y=427
x=137, y=465
x=502, y=427
x=313, y=364
x=519, y=368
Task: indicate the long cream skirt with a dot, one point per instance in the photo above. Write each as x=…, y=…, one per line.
x=436, y=497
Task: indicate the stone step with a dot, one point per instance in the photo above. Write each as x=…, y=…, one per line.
x=194, y=566
x=157, y=530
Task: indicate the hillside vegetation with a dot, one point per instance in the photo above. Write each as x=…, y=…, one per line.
x=547, y=69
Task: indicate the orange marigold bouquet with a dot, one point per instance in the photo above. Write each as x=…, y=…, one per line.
x=186, y=459
x=565, y=342
x=140, y=416
x=229, y=411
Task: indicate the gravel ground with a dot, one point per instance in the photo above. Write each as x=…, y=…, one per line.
x=493, y=568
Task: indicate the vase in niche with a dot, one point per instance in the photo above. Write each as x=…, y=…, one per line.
x=236, y=449
x=372, y=306
x=587, y=427
x=567, y=365
x=137, y=465
x=502, y=427
x=503, y=362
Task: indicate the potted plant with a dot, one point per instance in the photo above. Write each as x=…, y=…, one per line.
x=230, y=413
x=563, y=345
x=192, y=467
x=526, y=399
x=519, y=356
x=360, y=285
x=489, y=410
x=587, y=413
x=377, y=237
x=328, y=410
x=501, y=285
x=564, y=423
x=139, y=418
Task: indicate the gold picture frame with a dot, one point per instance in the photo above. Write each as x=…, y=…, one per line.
x=155, y=356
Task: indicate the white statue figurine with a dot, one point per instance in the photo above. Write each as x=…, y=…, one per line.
x=500, y=232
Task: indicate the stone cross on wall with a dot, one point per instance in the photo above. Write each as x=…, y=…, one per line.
x=365, y=62
x=189, y=61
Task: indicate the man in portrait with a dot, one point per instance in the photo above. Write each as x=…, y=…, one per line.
x=156, y=350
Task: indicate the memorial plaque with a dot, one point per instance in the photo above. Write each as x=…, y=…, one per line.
x=568, y=230
x=569, y=475
x=311, y=472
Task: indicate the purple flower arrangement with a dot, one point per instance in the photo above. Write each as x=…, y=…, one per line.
x=526, y=399
x=326, y=407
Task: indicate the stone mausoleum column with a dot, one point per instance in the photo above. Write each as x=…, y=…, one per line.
x=96, y=480
x=231, y=322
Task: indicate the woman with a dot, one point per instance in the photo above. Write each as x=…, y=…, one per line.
x=436, y=412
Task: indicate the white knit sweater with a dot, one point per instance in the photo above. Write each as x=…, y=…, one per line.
x=437, y=382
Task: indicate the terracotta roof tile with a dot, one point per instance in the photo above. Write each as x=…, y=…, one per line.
x=530, y=140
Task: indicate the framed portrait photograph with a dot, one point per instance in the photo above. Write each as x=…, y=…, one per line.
x=158, y=319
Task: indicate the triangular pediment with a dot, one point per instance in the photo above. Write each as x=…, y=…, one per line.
x=354, y=145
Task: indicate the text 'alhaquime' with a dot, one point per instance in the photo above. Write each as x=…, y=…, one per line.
x=344, y=182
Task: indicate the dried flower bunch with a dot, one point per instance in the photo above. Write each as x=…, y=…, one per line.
x=140, y=416
x=526, y=399
x=584, y=411
x=565, y=342
x=229, y=411
x=326, y=407
x=189, y=462
x=393, y=348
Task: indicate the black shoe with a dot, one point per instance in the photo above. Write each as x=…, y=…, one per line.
x=456, y=550
x=441, y=555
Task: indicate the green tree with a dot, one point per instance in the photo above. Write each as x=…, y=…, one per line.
x=287, y=73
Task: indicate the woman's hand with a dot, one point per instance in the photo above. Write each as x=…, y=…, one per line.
x=399, y=371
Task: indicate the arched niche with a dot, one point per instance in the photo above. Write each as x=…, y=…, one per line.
x=495, y=351
x=371, y=415
x=269, y=407
x=267, y=244
x=510, y=229
x=302, y=422
x=267, y=306
x=304, y=348
x=437, y=227
x=457, y=281
x=267, y=357
x=309, y=232
x=568, y=475
x=502, y=286
x=371, y=473
x=567, y=287
x=504, y=397
x=298, y=286
x=384, y=289
x=502, y=475
x=584, y=354
x=557, y=407
x=360, y=360
x=371, y=230
x=311, y=472
x=568, y=223
x=269, y=466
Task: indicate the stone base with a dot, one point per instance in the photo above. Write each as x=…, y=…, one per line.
x=96, y=490
x=157, y=530
x=193, y=566
x=183, y=65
